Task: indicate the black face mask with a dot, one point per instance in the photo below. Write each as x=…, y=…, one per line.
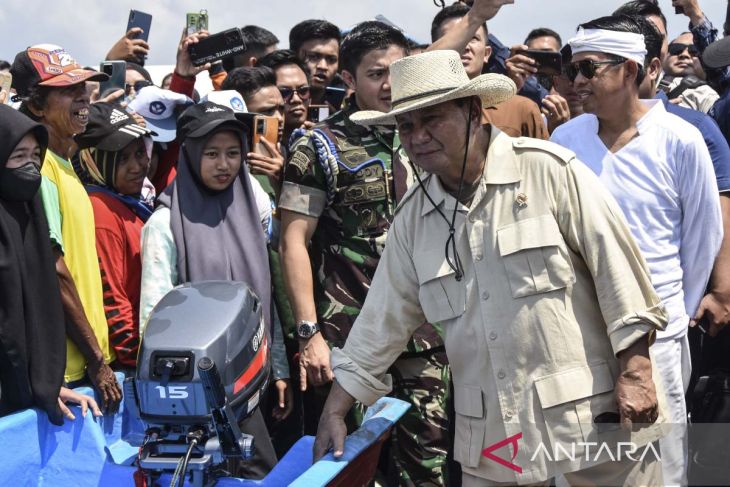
x=20, y=183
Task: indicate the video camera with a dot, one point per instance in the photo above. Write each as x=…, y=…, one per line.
x=202, y=367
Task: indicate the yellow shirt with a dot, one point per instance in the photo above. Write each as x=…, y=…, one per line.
x=79, y=244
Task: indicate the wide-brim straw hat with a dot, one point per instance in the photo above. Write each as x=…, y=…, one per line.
x=431, y=78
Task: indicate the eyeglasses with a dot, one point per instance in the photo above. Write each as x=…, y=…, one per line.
x=676, y=48
x=287, y=93
x=588, y=68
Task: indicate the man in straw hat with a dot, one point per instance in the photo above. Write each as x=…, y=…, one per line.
x=546, y=305
x=341, y=187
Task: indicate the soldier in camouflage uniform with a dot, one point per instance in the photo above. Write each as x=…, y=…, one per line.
x=341, y=187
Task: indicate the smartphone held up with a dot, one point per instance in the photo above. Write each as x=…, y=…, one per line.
x=547, y=62
x=196, y=22
x=217, y=46
x=117, y=72
x=264, y=127
x=144, y=22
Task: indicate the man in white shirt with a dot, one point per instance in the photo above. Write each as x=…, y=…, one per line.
x=659, y=170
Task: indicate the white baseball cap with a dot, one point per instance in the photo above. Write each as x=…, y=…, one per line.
x=228, y=98
x=157, y=106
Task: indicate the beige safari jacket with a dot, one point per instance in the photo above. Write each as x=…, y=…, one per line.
x=554, y=288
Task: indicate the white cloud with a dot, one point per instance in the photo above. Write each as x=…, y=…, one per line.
x=88, y=28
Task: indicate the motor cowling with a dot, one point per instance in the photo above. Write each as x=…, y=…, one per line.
x=220, y=320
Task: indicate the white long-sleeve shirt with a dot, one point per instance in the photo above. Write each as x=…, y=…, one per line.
x=665, y=184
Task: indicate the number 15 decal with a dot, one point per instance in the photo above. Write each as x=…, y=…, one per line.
x=173, y=392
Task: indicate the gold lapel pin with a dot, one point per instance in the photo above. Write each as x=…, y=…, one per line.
x=521, y=200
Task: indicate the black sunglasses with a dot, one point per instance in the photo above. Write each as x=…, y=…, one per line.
x=588, y=68
x=287, y=93
x=676, y=48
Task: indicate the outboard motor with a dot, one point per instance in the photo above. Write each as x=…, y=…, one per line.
x=202, y=367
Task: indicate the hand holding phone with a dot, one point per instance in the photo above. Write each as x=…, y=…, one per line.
x=264, y=127
x=265, y=157
x=546, y=62
x=141, y=21
x=520, y=66
x=217, y=46
x=129, y=48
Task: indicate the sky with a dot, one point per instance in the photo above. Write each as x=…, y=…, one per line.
x=88, y=28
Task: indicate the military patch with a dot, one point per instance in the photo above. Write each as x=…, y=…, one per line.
x=364, y=192
x=302, y=159
x=354, y=157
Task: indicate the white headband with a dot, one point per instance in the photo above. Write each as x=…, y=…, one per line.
x=625, y=44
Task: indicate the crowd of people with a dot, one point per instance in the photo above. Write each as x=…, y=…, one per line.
x=516, y=251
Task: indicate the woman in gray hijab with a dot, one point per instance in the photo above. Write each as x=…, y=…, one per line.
x=207, y=227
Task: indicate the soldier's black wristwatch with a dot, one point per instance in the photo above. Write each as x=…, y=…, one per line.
x=307, y=329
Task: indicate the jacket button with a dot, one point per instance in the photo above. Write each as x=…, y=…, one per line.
x=485, y=295
x=472, y=218
x=493, y=336
x=501, y=374
x=478, y=257
x=508, y=414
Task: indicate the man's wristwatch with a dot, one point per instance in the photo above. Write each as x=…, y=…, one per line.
x=307, y=329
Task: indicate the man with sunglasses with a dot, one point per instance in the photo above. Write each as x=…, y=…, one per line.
x=342, y=184
x=684, y=76
x=715, y=306
x=681, y=56
x=658, y=168
x=292, y=80
x=703, y=34
x=563, y=86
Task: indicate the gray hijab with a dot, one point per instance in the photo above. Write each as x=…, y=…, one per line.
x=217, y=234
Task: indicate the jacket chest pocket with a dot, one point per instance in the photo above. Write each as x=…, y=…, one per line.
x=442, y=297
x=535, y=256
